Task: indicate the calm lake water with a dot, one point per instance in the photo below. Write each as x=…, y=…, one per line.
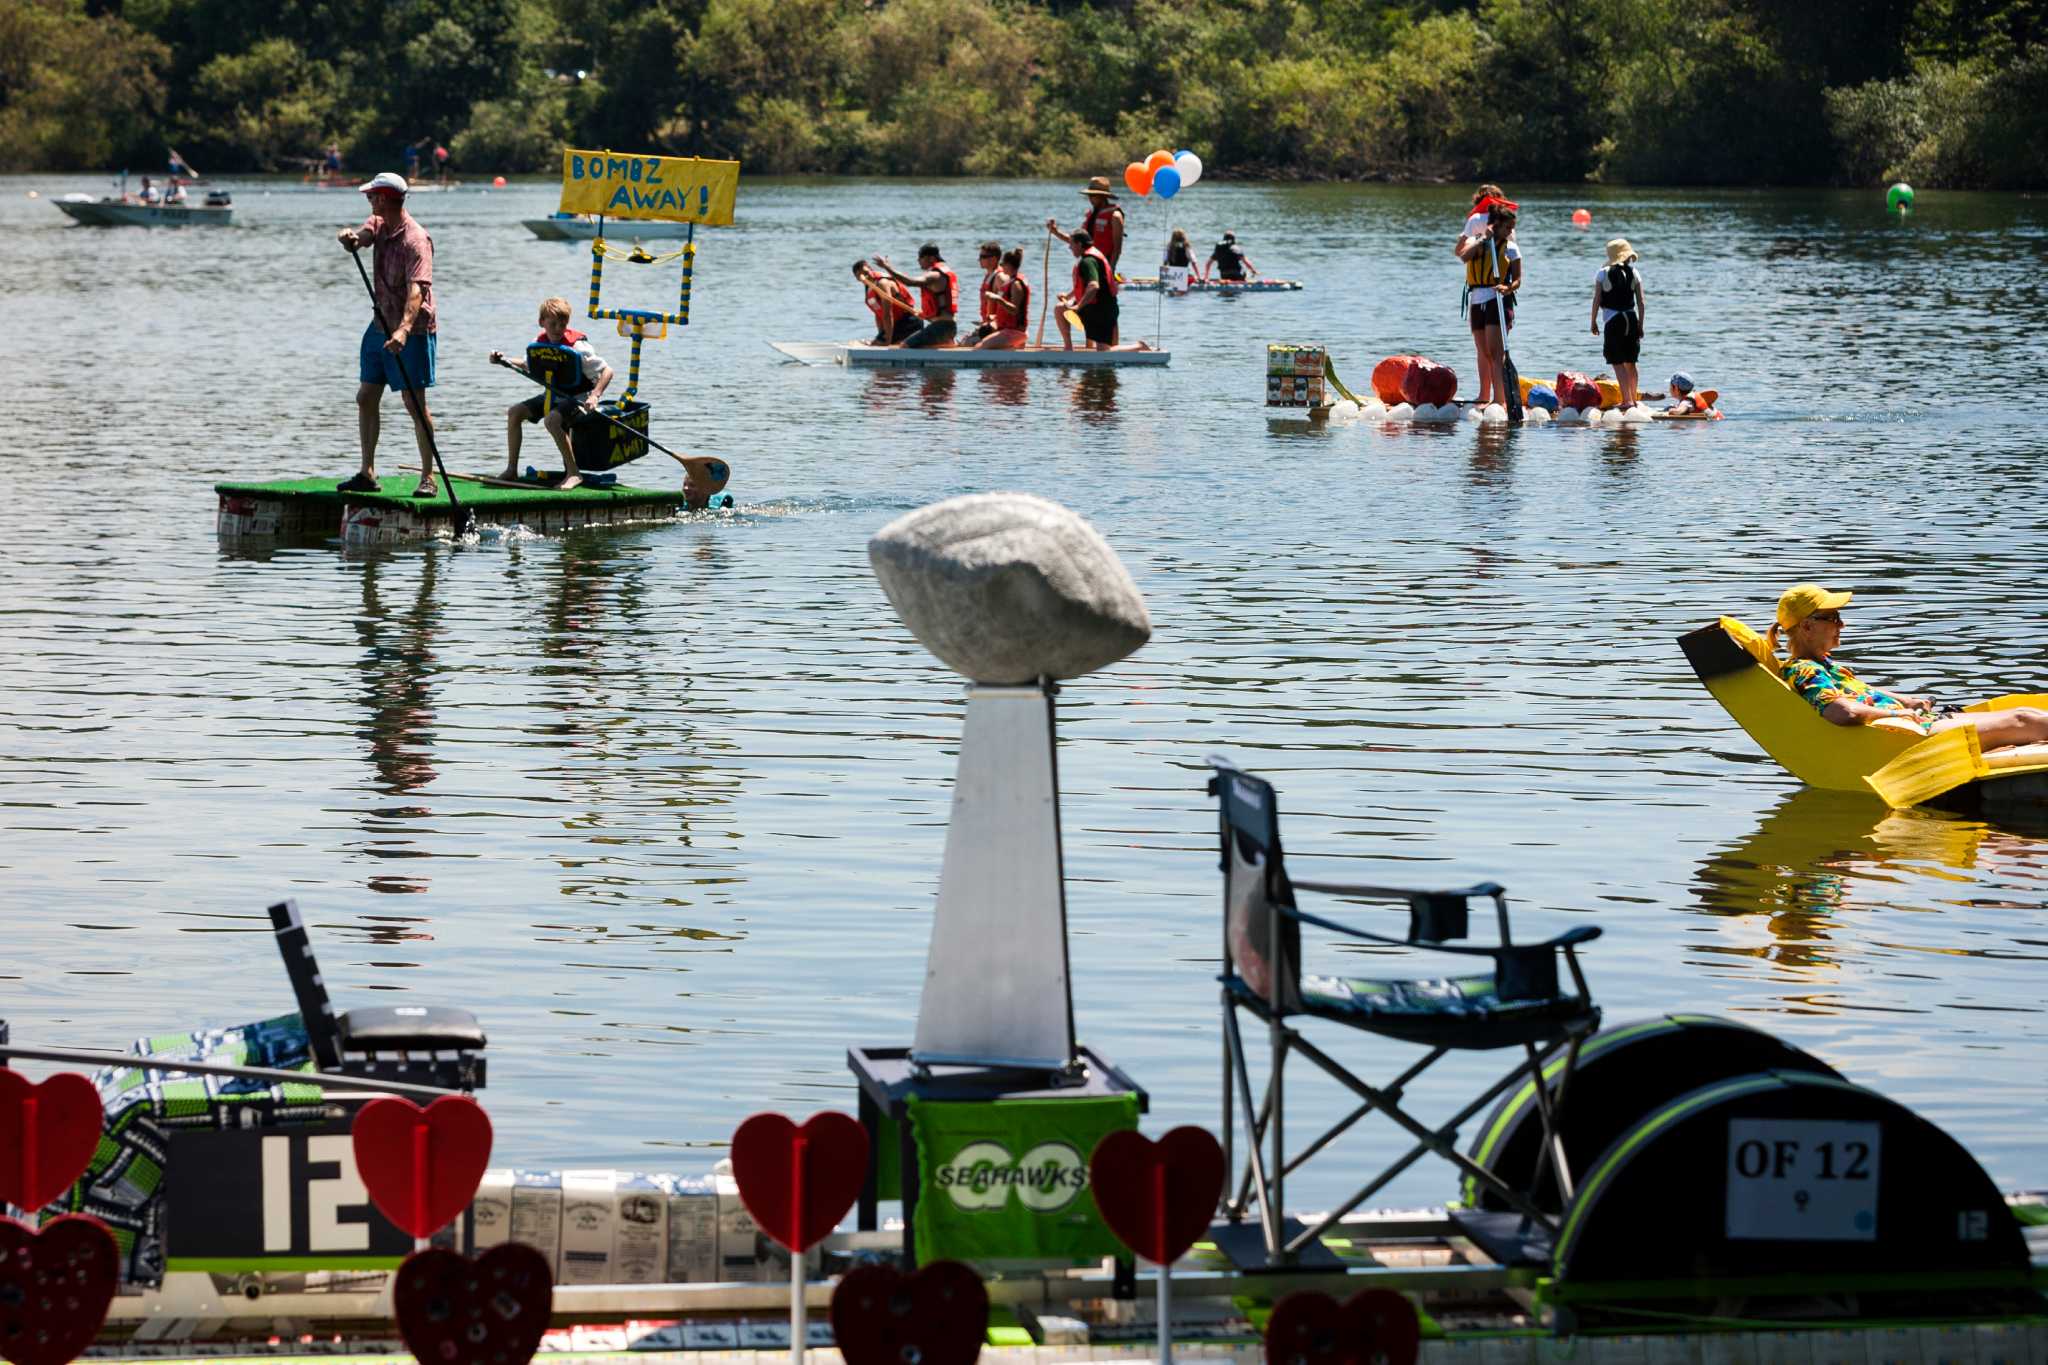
x=665, y=806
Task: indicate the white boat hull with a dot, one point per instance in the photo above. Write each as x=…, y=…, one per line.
x=1150, y=283
x=110, y=213
x=617, y=230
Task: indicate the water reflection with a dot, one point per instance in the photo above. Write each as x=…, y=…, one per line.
x=1095, y=394
x=1820, y=854
x=396, y=631
x=1010, y=387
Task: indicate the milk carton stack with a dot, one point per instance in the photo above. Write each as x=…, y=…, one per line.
x=1295, y=375
x=621, y=1227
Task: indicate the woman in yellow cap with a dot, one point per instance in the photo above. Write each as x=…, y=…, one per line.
x=1810, y=620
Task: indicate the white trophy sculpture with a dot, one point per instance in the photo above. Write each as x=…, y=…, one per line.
x=1015, y=592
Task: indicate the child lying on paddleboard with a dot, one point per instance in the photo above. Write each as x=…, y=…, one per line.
x=1691, y=400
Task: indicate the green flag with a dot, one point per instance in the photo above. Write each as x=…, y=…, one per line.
x=1009, y=1179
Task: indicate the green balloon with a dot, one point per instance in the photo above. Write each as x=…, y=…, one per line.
x=1899, y=196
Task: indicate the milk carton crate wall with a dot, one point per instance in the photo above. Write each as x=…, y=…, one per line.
x=621, y=1227
x=1295, y=376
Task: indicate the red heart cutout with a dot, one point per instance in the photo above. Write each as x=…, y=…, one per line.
x=48, y=1134
x=1157, y=1197
x=55, y=1286
x=450, y=1138
x=799, y=1182
x=1372, y=1327
x=937, y=1316
x=455, y=1311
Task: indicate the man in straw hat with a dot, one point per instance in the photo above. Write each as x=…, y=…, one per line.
x=1618, y=315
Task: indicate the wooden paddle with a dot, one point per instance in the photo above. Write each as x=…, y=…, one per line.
x=1937, y=764
x=1509, y=380
x=1044, y=288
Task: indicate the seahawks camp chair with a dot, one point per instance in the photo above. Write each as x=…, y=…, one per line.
x=1517, y=1001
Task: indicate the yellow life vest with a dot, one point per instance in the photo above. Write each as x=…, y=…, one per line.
x=1479, y=270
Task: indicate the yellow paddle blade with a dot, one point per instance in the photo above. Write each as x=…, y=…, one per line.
x=1937, y=764
x=1330, y=373
x=1073, y=318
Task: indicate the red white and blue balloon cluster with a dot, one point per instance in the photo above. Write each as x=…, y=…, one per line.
x=1163, y=173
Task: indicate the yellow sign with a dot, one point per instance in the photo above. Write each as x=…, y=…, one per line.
x=674, y=189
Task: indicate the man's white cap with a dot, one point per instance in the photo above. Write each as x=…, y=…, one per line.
x=386, y=180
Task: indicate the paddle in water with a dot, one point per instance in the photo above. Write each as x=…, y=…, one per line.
x=465, y=519
x=1509, y=380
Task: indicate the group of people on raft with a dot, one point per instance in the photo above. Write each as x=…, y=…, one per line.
x=932, y=318
x=1493, y=278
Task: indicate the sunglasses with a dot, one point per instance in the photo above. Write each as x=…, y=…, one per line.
x=1833, y=618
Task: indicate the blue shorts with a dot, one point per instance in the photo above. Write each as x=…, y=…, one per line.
x=378, y=366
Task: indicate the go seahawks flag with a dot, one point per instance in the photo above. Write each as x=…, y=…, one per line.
x=1008, y=1179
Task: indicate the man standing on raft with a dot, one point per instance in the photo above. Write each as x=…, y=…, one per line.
x=1104, y=224
x=402, y=268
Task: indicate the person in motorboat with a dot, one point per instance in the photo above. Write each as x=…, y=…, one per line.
x=575, y=378
x=1618, y=315
x=176, y=193
x=149, y=193
x=1009, y=304
x=1693, y=401
x=895, y=314
x=1232, y=265
x=397, y=350
x=938, y=296
x=1810, y=621
x=991, y=260
x=1493, y=275
x=1177, y=266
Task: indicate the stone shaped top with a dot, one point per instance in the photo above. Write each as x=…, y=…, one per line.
x=1009, y=588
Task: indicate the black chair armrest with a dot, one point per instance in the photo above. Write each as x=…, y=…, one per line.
x=1394, y=893
x=1350, y=931
x=1572, y=938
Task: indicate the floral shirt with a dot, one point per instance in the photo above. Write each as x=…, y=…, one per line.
x=1821, y=681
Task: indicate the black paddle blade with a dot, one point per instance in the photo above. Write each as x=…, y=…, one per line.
x=1511, y=381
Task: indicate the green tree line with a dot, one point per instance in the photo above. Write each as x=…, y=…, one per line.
x=1938, y=92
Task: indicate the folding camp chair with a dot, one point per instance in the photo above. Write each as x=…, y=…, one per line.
x=1517, y=1004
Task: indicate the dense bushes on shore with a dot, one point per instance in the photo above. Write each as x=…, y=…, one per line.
x=1941, y=92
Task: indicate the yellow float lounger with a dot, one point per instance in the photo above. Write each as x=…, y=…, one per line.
x=1889, y=757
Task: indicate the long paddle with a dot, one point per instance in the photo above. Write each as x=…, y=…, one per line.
x=1044, y=288
x=465, y=519
x=710, y=463
x=1509, y=380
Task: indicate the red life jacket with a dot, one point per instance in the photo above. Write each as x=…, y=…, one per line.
x=987, y=305
x=1099, y=225
x=1108, y=273
x=1009, y=310
x=939, y=305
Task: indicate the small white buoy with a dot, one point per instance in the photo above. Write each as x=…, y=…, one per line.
x=1400, y=412
x=1594, y=415
x=1374, y=411
x=33, y=195
x=1344, y=411
x=1567, y=414
x=1495, y=412
x=1536, y=417
x=1472, y=412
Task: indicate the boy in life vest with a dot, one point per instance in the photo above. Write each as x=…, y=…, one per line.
x=1691, y=399
x=573, y=378
x=1617, y=316
x=895, y=313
